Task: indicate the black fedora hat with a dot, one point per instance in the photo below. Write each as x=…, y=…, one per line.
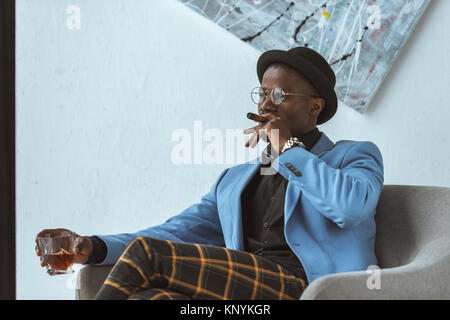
x=313, y=67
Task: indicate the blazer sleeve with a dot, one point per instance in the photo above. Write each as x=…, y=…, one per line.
x=346, y=195
x=199, y=223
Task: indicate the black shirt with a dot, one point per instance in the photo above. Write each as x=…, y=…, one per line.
x=262, y=205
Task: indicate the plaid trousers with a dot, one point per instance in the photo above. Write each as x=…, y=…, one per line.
x=153, y=269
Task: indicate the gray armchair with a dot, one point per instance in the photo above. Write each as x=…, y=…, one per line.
x=412, y=247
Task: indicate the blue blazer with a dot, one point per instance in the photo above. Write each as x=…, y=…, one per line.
x=330, y=204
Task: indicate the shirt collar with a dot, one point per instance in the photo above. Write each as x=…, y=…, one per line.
x=310, y=138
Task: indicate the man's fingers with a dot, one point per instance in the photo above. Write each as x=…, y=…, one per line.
x=253, y=129
x=249, y=143
x=250, y=130
x=49, y=233
x=53, y=233
x=83, y=249
x=38, y=252
x=81, y=246
x=255, y=117
x=255, y=139
x=42, y=233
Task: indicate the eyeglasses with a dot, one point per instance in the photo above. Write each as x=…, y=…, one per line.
x=277, y=95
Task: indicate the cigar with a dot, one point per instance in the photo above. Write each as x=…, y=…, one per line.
x=253, y=116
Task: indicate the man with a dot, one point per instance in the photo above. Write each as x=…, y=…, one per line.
x=265, y=230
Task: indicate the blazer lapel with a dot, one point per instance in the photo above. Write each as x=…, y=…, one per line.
x=235, y=205
x=322, y=146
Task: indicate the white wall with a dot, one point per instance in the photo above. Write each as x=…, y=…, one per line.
x=96, y=109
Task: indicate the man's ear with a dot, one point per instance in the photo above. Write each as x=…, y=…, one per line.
x=318, y=104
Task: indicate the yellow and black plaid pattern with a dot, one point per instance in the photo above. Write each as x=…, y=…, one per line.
x=152, y=268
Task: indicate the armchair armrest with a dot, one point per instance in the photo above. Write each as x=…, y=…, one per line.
x=89, y=281
x=427, y=276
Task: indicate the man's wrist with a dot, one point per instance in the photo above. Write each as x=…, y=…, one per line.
x=99, y=251
x=292, y=142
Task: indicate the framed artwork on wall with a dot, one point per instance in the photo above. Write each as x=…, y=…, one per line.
x=359, y=38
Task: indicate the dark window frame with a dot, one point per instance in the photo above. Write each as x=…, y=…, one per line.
x=7, y=151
